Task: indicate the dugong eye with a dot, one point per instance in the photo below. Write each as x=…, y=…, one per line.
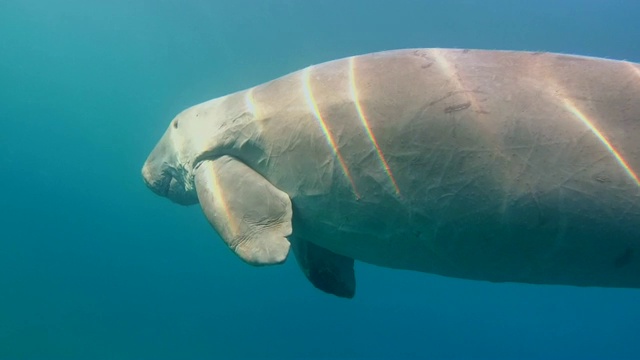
x=175, y=124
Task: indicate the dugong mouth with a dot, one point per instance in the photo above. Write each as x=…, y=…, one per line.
x=159, y=184
x=166, y=185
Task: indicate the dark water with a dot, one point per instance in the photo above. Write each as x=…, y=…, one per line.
x=93, y=265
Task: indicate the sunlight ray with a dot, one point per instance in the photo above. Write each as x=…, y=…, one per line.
x=311, y=101
x=221, y=198
x=582, y=117
x=365, y=124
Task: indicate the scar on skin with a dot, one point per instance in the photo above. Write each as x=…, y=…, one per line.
x=454, y=108
x=451, y=93
x=429, y=60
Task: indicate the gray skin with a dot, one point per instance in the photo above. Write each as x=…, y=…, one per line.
x=489, y=165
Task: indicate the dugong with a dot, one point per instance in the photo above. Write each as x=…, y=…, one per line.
x=501, y=166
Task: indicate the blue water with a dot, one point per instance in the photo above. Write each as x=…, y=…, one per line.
x=95, y=266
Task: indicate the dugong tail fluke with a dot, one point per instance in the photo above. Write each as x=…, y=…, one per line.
x=500, y=166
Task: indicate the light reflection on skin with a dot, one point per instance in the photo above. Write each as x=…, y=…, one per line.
x=221, y=199
x=579, y=114
x=585, y=120
x=636, y=69
x=450, y=71
x=250, y=103
x=365, y=123
x=314, y=107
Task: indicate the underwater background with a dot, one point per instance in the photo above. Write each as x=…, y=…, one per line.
x=93, y=265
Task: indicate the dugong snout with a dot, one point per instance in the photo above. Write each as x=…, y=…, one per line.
x=163, y=183
x=154, y=179
x=163, y=175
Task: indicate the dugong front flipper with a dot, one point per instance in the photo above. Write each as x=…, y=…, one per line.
x=326, y=270
x=253, y=218
x=251, y=215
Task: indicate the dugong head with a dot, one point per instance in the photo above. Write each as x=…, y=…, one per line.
x=167, y=170
x=201, y=159
x=207, y=131
x=198, y=133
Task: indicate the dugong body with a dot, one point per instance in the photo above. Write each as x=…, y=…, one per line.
x=488, y=165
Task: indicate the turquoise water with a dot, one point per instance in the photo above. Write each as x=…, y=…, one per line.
x=93, y=265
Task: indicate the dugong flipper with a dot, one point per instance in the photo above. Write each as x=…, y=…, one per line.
x=254, y=219
x=250, y=214
x=326, y=270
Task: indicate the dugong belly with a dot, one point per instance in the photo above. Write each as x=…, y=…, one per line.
x=500, y=166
